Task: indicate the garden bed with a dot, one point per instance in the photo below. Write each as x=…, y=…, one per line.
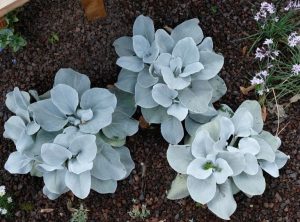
x=87, y=48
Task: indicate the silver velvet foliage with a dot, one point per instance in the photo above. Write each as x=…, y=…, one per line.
x=173, y=76
x=225, y=156
x=73, y=136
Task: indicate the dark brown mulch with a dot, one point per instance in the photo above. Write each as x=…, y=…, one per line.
x=87, y=47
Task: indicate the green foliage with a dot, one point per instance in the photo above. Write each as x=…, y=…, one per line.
x=279, y=30
x=27, y=207
x=280, y=80
x=139, y=212
x=214, y=9
x=54, y=38
x=79, y=215
x=8, y=37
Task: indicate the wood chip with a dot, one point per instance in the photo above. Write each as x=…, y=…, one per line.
x=264, y=113
x=295, y=98
x=245, y=91
x=47, y=210
x=143, y=123
x=94, y=9
x=244, y=50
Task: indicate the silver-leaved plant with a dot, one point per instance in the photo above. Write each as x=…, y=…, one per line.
x=225, y=156
x=174, y=76
x=73, y=136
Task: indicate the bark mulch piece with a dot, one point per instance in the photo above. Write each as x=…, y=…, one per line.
x=87, y=48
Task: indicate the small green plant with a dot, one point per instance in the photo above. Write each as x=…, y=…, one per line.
x=139, y=212
x=54, y=38
x=214, y=9
x=27, y=207
x=79, y=215
x=6, y=204
x=8, y=37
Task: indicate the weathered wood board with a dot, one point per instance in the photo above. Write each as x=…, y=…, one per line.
x=8, y=5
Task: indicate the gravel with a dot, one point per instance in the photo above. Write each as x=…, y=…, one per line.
x=87, y=48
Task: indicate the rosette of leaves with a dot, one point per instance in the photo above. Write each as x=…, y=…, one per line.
x=80, y=162
x=226, y=155
x=26, y=134
x=73, y=136
x=172, y=75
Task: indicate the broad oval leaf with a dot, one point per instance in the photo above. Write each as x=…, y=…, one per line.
x=79, y=184
x=197, y=97
x=48, y=116
x=178, y=110
x=103, y=186
x=189, y=28
x=187, y=50
x=131, y=63
x=123, y=46
x=122, y=125
x=179, y=157
x=143, y=97
x=163, y=95
x=155, y=115
x=65, y=98
x=212, y=63
x=55, y=181
x=76, y=80
x=84, y=148
x=223, y=204
x=178, y=188
x=174, y=82
x=146, y=79
x=172, y=130
x=255, y=109
x=219, y=88
x=141, y=45
x=143, y=25
x=202, y=191
x=251, y=184
x=18, y=163
x=127, y=80
x=206, y=45
x=126, y=159
x=107, y=164
x=164, y=41
x=54, y=154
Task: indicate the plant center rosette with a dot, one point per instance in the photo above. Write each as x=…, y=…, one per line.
x=73, y=135
x=173, y=76
x=225, y=156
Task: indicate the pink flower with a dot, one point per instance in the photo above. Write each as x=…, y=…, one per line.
x=294, y=5
x=268, y=42
x=265, y=9
x=294, y=39
x=296, y=70
x=260, y=53
x=259, y=77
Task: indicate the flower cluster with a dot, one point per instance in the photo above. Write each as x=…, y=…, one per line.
x=259, y=78
x=266, y=51
x=296, y=69
x=294, y=39
x=293, y=5
x=265, y=10
x=5, y=201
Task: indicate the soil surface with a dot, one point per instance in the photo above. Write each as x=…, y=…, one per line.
x=87, y=48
